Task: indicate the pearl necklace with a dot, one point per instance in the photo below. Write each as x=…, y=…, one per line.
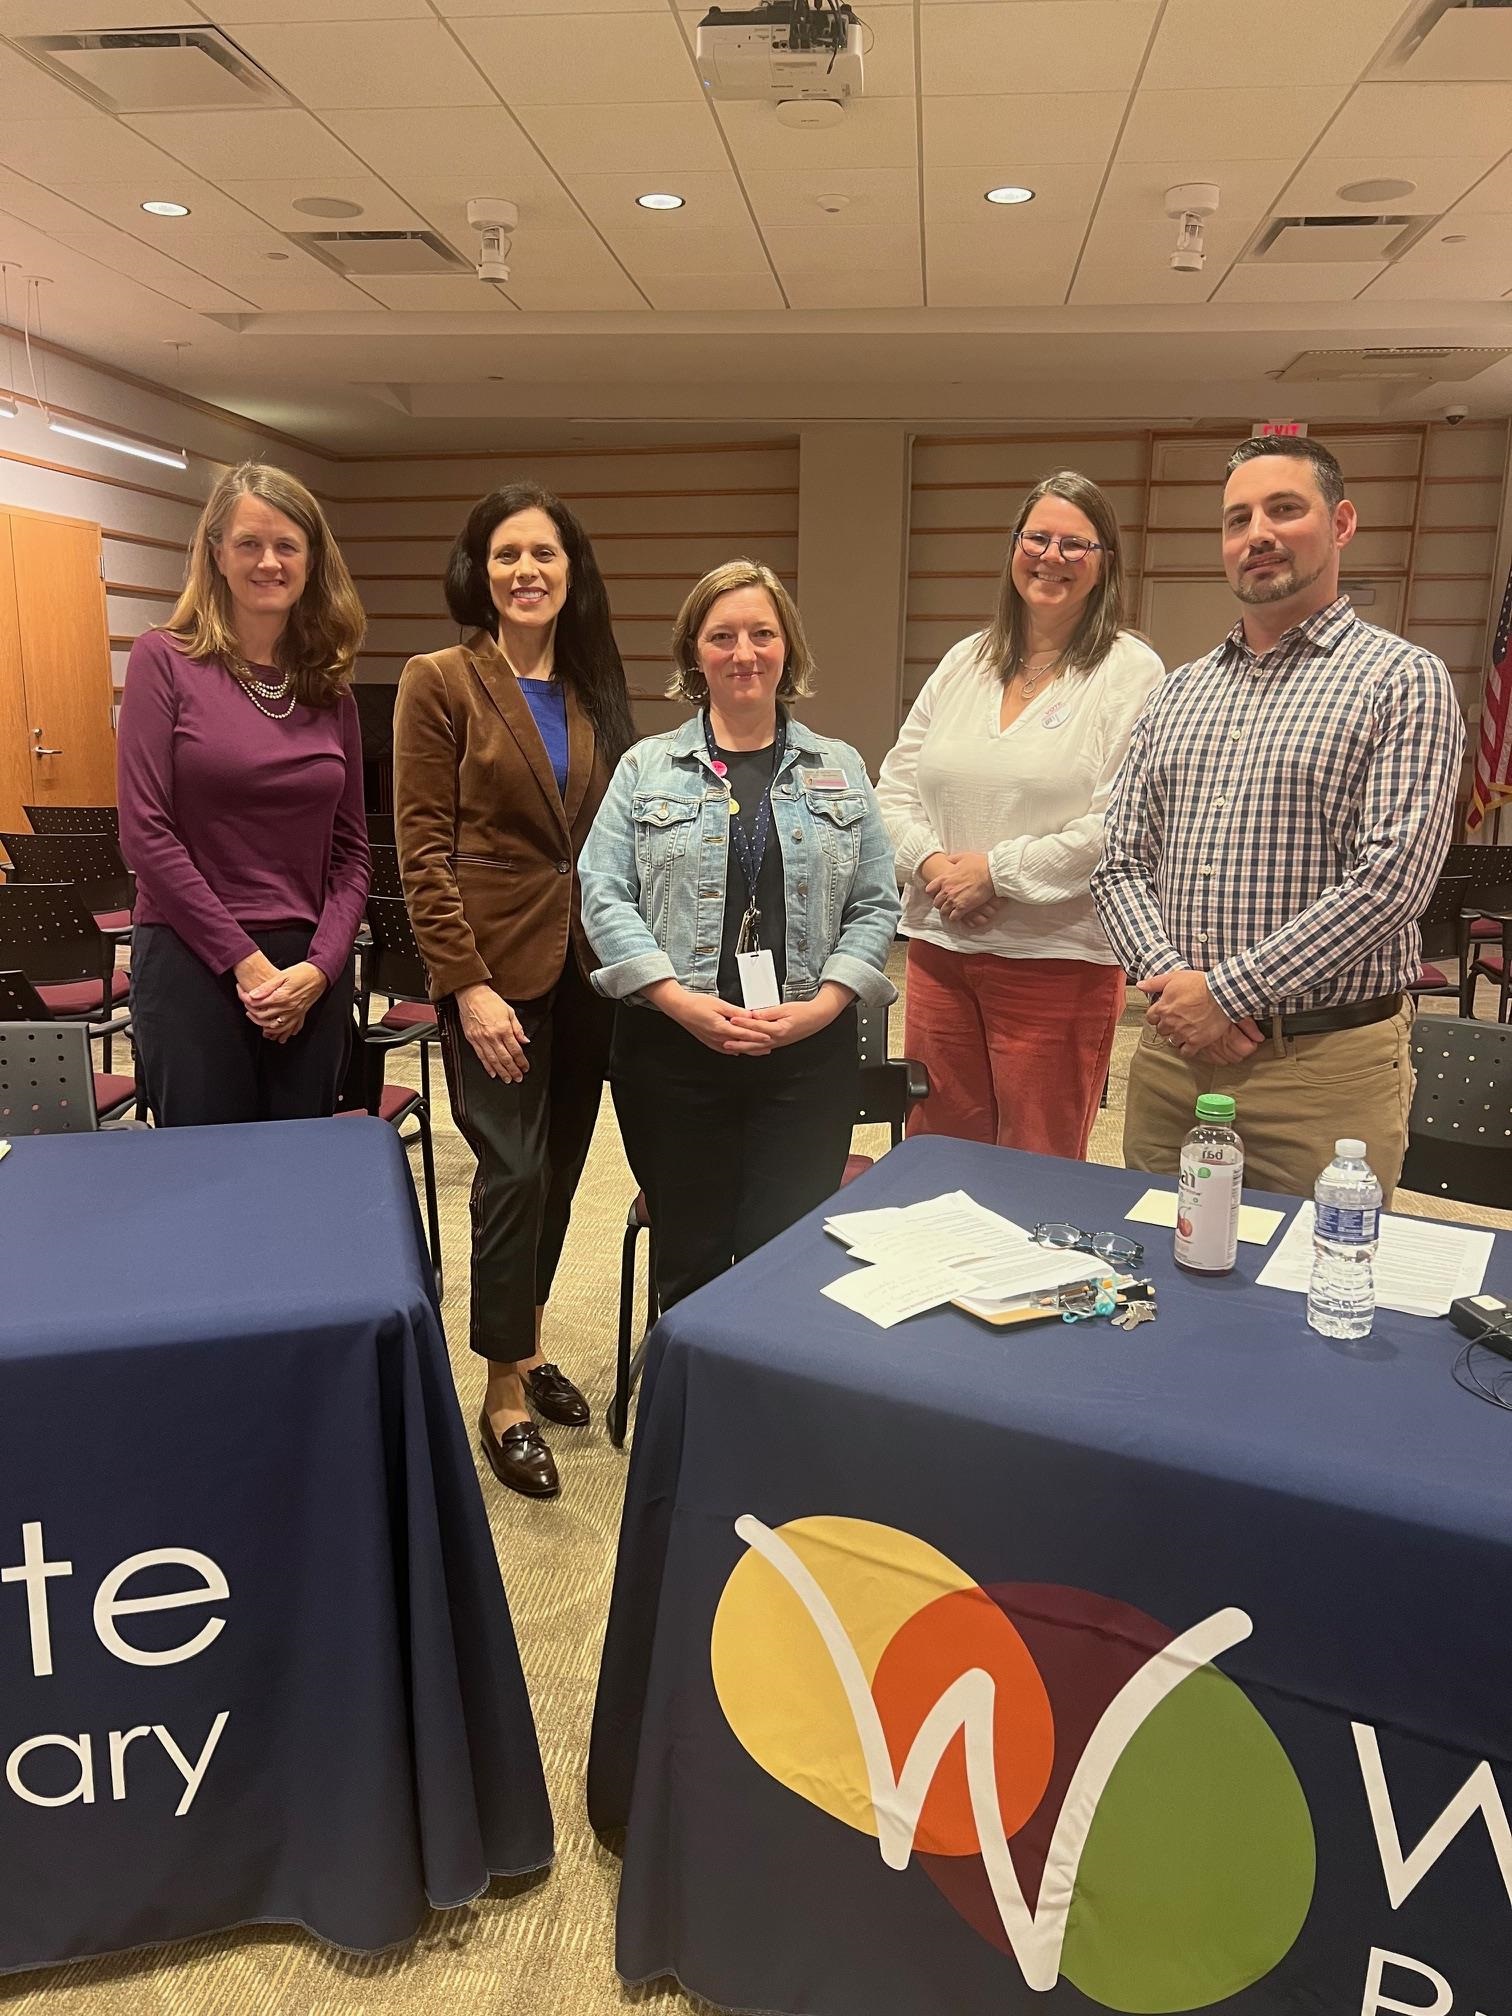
x=260, y=691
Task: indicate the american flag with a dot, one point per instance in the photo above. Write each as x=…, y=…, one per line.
x=1493, y=759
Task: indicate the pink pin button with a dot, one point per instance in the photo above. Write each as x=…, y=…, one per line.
x=720, y=769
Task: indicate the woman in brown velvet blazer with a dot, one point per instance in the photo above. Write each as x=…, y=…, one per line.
x=503, y=747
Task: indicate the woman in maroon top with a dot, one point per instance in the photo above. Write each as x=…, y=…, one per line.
x=242, y=815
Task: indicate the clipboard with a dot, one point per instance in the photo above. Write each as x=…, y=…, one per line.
x=1049, y=1307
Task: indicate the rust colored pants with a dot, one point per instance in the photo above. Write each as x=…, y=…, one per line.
x=1017, y=1050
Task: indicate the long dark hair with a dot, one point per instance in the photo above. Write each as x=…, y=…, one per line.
x=1003, y=646
x=585, y=655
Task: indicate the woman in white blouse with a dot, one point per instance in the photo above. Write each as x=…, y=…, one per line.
x=994, y=797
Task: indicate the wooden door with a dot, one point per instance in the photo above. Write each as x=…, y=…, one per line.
x=15, y=765
x=65, y=655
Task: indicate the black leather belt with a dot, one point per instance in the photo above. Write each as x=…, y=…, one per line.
x=1317, y=1021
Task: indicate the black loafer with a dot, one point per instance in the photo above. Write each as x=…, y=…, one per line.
x=554, y=1397
x=520, y=1459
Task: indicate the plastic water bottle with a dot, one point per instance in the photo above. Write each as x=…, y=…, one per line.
x=1346, y=1229
x=1207, y=1202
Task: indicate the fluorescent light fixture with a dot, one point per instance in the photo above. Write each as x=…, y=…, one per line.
x=166, y=209
x=8, y=408
x=169, y=457
x=659, y=199
x=1010, y=193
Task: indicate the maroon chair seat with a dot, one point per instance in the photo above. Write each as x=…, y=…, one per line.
x=409, y=1015
x=82, y=997
x=113, y=1094
x=113, y=921
x=1430, y=976
x=1491, y=962
x=856, y=1165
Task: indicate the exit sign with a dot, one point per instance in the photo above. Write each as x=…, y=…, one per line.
x=1279, y=427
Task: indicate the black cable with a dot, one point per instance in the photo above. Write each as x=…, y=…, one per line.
x=1468, y=1373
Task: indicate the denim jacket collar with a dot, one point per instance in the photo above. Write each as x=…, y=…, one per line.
x=689, y=741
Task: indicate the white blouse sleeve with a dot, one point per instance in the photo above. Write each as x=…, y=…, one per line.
x=908, y=825
x=1057, y=867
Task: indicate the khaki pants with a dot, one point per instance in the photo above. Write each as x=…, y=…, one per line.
x=1290, y=1109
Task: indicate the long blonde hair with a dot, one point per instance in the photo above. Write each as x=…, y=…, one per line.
x=1003, y=646
x=324, y=633
x=688, y=681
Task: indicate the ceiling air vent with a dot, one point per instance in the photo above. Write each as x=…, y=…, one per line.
x=156, y=70
x=1447, y=363
x=375, y=254
x=1286, y=241
x=1454, y=41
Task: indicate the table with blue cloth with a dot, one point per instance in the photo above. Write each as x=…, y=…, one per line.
x=255, y=1659
x=954, y=1669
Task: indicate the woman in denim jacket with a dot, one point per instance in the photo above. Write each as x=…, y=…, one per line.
x=737, y=859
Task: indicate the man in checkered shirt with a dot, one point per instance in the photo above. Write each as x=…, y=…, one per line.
x=1275, y=832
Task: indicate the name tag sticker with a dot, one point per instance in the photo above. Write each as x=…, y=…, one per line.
x=1056, y=716
x=758, y=979
x=826, y=780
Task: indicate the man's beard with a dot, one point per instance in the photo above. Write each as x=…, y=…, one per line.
x=1276, y=587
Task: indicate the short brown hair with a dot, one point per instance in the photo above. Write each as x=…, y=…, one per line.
x=324, y=633
x=1003, y=646
x=1297, y=448
x=688, y=682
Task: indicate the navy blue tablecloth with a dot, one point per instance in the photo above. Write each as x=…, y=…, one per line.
x=222, y=1375
x=1268, y=1841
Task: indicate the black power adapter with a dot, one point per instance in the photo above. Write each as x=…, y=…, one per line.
x=1484, y=1319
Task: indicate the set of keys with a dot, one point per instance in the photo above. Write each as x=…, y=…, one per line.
x=1134, y=1313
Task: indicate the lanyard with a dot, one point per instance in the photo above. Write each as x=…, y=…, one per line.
x=750, y=848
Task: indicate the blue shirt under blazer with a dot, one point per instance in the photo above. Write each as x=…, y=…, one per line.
x=653, y=869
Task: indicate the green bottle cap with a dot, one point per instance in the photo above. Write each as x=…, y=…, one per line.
x=1215, y=1106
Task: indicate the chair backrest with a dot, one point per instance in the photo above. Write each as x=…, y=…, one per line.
x=73, y=819
x=20, y=1001
x=380, y=827
x=49, y=935
x=1440, y=922
x=1487, y=867
x=394, y=966
x=386, y=879
x=882, y=1091
x=90, y=862
x=1459, y=1132
x=46, y=1080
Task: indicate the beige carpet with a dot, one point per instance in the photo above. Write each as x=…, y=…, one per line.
x=544, y=1949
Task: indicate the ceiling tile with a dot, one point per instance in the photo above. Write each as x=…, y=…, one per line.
x=1021, y=126
x=543, y=202
x=711, y=249
x=1217, y=42
x=1439, y=183
x=279, y=11
x=495, y=9
x=1065, y=190
x=1304, y=282
x=247, y=144
x=877, y=133
x=234, y=257
x=323, y=63
x=89, y=147
x=481, y=142
x=1247, y=189
x=1033, y=45
x=647, y=139
x=27, y=92
x=710, y=199
x=438, y=293
x=856, y=287
x=1231, y=124
x=164, y=276
x=94, y=17
x=302, y=285
x=569, y=293
x=971, y=283
x=888, y=60
x=790, y=196
x=33, y=204
x=811, y=248
x=583, y=59
x=1127, y=260
x=1494, y=193
x=1447, y=273
x=274, y=201
x=731, y=293
x=209, y=209
x=1435, y=119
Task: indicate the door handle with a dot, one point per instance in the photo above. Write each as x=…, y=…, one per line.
x=39, y=750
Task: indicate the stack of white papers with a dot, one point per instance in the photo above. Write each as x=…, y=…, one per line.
x=945, y=1249
x=1420, y=1266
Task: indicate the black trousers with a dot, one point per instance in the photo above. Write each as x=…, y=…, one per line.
x=730, y=1151
x=204, y=1063
x=531, y=1141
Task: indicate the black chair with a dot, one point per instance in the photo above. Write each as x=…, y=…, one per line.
x=385, y=877
x=1446, y=935
x=380, y=827
x=890, y=1088
x=46, y=1080
x=113, y=1094
x=394, y=968
x=48, y=934
x=89, y=862
x=73, y=819
x=1459, y=1131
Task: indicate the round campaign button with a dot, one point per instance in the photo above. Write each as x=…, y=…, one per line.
x=1056, y=716
x=720, y=769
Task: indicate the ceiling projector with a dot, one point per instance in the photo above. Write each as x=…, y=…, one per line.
x=782, y=52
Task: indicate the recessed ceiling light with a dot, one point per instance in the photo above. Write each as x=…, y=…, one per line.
x=166, y=209
x=659, y=199
x=327, y=206
x=1010, y=193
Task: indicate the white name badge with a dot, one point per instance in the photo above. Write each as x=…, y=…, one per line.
x=758, y=979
